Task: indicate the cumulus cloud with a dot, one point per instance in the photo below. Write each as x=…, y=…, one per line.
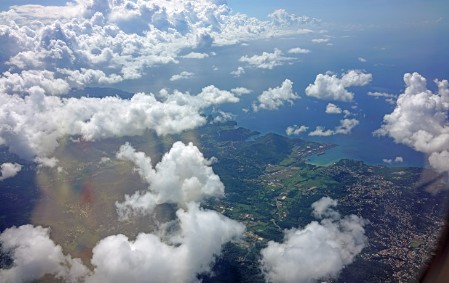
x=397, y=159
x=345, y=127
x=330, y=87
x=182, y=176
x=296, y=130
x=438, y=160
x=320, y=40
x=333, y=109
x=323, y=208
x=50, y=162
x=238, y=72
x=196, y=55
x=211, y=95
x=281, y=18
x=389, y=98
x=182, y=75
x=34, y=255
x=9, y=170
x=361, y=59
x=322, y=132
x=273, y=98
x=381, y=94
x=346, y=113
x=49, y=50
x=104, y=160
x=82, y=77
x=241, y=90
x=32, y=126
x=123, y=38
x=298, y=50
x=223, y=117
x=420, y=120
x=192, y=251
x=31, y=81
x=266, y=60
x=318, y=251
x=189, y=246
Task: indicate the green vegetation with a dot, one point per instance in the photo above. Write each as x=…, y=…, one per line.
x=270, y=187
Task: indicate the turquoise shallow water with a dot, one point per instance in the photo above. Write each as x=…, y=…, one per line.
x=331, y=156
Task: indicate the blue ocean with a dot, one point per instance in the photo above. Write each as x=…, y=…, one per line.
x=387, y=54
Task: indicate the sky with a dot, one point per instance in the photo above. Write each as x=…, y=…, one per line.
x=370, y=76
x=379, y=12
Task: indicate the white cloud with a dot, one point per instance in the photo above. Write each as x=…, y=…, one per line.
x=32, y=126
x=296, y=130
x=9, y=170
x=322, y=132
x=420, y=120
x=181, y=76
x=273, y=98
x=103, y=42
x=318, y=251
x=210, y=95
x=223, y=117
x=281, y=18
x=346, y=113
x=192, y=251
x=298, y=50
x=241, y=90
x=389, y=98
x=266, y=60
x=238, y=72
x=320, y=40
x=50, y=162
x=44, y=12
x=323, y=208
x=83, y=76
x=104, y=160
x=189, y=245
x=196, y=55
x=34, y=255
x=182, y=176
x=381, y=94
x=345, y=127
x=48, y=50
x=330, y=87
x=438, y=160
x=397, y=159
x=332, y=109
x=123, y=39
x=361, y=59
x=32, y=81
x=391, y=101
